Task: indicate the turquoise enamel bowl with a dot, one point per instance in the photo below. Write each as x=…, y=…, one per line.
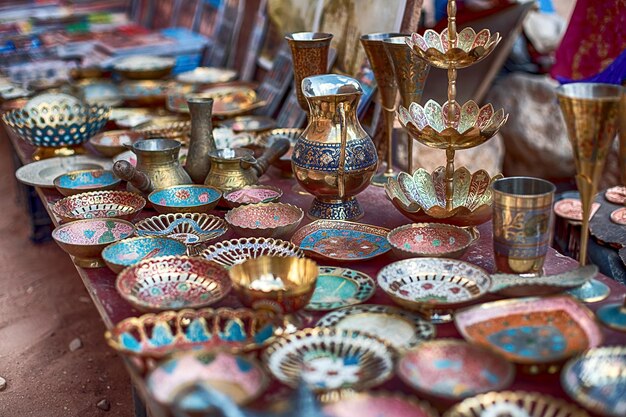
x=82, y=181
x=128, y=252
x=185, y=199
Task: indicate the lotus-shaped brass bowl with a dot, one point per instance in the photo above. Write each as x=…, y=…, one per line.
x=469, y=48
x=472, y=125
x=422, y=196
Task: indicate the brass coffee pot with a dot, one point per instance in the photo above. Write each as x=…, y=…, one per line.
x=232, y=169
x=157, y=166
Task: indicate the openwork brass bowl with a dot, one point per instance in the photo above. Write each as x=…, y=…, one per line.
x=99, y=204
x=236, y=251
x=471, y=126
x=470, y=47
x=518, y=403
x=189, y=228
x=422, y=196
x=276, y=283
x=57, y=126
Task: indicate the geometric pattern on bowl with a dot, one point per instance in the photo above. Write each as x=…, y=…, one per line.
x=340, y=287
x=158, y=335
x=422, y=196
x=470, y=127
x=514, y=404
x=189, y=228
x=328, y=359
x=128, y=252
x=99, y=204
x=377, y=404
x=173, y=283
x=185, y=199
x=451, y=369
x=265, y=219
x=236, y=251
x=58, y=123
x=469, y=48
x=183, y=378
x=531, y=331
x=76, y=182
x=399, y=328
x=431, y=240
x=596, y=380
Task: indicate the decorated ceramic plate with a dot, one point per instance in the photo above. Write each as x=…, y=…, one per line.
x=451, y=369
x=328, y=359
x=340, y=287
x=207, y=75
x=240, y=378
x=189, y=228
x=158, y=335
x=572, y=209
x=619, y=216
x=99, y=204
x=616, y=195
x=399, y=328
x=377, y=404
x=173, y=283
x=236, y=251
x=597, y=380
x=250, y=123
x=531, y=331
x=342, y=240
x=514, y=404
x=42, y=173
x=128, y=252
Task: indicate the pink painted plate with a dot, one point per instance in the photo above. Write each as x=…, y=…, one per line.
x=619, y=216
x=252, y=195
x=377, y=404
x=93, y=232
x=571, y=209
x=431, y=240
x=268, y=220
x=616, y=195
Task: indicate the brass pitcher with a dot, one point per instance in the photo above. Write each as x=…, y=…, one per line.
x=157, y=166
x=232, y=169
x=334, y=158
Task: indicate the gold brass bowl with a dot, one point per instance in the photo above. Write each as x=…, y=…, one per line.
x=166, y=127
x=111, y=143
x=276, y=283
x=274, y=220
x=236, y=251
x=99, y=204
x=469, y=48
x=422, y=196
x=84, y=240
x=437, y=240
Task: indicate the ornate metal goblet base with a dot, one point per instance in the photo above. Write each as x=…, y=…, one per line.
x=380, y=180
x=349, y=209
x=592, y=291
x=613, y=316
x=45, y=152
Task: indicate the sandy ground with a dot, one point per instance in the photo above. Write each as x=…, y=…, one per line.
x=43, y=307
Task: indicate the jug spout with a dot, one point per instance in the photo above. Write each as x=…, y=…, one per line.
x=201, y=142
x=127, y=172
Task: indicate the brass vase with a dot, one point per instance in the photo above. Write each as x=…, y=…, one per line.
x=388, y=88
x=309, y=52
x=411, y=74
x=591, y=113
x=334, y=158
x=201, y=141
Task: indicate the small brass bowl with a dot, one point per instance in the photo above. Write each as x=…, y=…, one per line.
x=275, y=220
x=84, y=240
x=185, y=199
x=99, y=204
x=253, y=194
x=283, y=284
x=112, y=143
x=76, y=182
x=436, y=240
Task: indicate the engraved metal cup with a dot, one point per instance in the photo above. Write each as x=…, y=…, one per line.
x=309, y=52
x=522, y=223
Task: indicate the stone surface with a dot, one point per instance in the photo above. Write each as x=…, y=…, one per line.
x=104, y=405
x=75, y=344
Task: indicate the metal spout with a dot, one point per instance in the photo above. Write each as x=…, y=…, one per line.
x=128, y=173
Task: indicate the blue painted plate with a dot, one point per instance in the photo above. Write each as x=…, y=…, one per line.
x=340, y=287
x=128, y=252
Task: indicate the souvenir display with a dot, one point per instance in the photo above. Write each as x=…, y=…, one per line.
x=375, y=404
x=431, y=240
x=451, y=370
x=596, y=380
x=42, y=173
x=236, y=251
x=253, y=194
x=189, y=228
x=401, y=329
x=76, y=182
x=144, y=67
x=340, y=287
x=433, y=286
x=328, y=359
x=206, y=75
x=145, y=93
x=99, y=204
x=172, y=283
x=185, y=199
x=268, y=220
x=572, y=209
x=537, y=332
x=254, y=124
x=128, y=252
x=616, y=195
x=341, y=240
x=85, y=239
x=113, y=142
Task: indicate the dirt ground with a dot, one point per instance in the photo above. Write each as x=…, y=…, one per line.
x=43, y=307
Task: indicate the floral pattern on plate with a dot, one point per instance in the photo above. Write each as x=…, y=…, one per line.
x=128, y=252
x=340, y=287
x=184, y=196
x=97, y=231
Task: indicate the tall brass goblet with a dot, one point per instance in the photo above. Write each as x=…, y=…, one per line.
x=309, y=52
x=591, y=113
x=410, y=76
x=388, y=88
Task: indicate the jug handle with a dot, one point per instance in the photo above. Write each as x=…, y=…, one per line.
x=341, y=171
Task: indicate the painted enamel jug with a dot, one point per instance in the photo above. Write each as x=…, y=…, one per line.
x=334, y=159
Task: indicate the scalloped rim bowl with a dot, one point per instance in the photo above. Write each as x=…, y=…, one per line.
x=185, y=199
x=132, y=250
x=236, y=251
x=269, y=220
x=253, y=194
x=105, y=204
x=190, y=228
x=437, y=240
x=81, y=181
x=111, y=143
